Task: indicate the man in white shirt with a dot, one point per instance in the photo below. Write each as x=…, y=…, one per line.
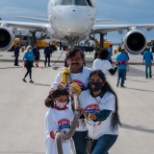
x=80, y=75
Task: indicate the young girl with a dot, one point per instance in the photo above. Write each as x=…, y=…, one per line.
x=57, y=119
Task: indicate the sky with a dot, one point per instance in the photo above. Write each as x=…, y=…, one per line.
x=123, y=11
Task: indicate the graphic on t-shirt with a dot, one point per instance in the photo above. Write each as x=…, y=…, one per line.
x=92, y=108
x=63, y=124
x=82, y=86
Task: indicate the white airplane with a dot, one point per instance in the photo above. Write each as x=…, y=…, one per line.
x=72, y=21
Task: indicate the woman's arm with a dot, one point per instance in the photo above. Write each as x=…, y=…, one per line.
x=112, y=70
x=98, y=116
x=102, y=115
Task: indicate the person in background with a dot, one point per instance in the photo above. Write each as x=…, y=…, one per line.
x=79, y=74
x=122, y=60
x=127, y=69
x=28, y=63
x=66, y=49
x=16, y=54
x=99, y=105
x=57, y=119
x=110, y=50
x=47, y=54
x=147, y=60
x=36, y=55
x=101, y=63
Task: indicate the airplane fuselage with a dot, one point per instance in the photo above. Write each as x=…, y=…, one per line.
x=72, y=21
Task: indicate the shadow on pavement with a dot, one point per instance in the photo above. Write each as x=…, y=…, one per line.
x=138, y=128
x=10, y=67
x=140, y=89
x=41, y=84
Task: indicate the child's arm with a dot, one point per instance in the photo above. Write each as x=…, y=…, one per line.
x=51, y=126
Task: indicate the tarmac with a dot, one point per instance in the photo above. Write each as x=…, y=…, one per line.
x=22, y=109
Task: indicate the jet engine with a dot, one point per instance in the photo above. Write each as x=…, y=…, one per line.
x=6, y=38
x=134, y=42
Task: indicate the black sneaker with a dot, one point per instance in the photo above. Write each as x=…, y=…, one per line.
x=24, y=80
x=31, y=81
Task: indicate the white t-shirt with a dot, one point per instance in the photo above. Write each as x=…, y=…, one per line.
x=81, y=79
x=57, y=120
x=91, y=105
x=103, y=65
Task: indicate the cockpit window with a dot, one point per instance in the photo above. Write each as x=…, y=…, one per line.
x=73, y=2
x=64, y=2
x=67, y=2
x=80, y=2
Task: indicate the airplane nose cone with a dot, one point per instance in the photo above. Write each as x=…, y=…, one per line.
x=73, y=21
x=76, y=26
x=76, y=21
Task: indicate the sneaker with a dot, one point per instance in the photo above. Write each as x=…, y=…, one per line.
x=123, y=86
x=24, y=80
x=31, y=81
x=117, y=84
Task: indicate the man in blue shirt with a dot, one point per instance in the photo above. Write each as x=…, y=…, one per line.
x=36, y=55
x=47, y=53
x=110, y=50
x=16, y=54
x=122, y=59
x=147, y=60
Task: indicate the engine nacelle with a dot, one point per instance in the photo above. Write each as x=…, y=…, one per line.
x=6, y=38
x=134, y=42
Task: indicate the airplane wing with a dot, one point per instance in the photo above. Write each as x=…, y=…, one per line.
x=100, y=28
x=38, y=19
x=7, y=29
x=42, y=27
x=134, y=41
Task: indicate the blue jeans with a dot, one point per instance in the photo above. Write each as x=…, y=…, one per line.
x=104, y=143
x=80, y=142
x=121, y=75
x=148, y=71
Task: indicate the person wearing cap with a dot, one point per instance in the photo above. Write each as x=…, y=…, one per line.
x=147, y=60
x=122, y=60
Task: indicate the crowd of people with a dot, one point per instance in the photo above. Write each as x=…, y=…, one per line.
x=98, y=126
x=31, y=57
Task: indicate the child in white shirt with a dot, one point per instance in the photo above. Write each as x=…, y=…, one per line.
x=57, y=119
